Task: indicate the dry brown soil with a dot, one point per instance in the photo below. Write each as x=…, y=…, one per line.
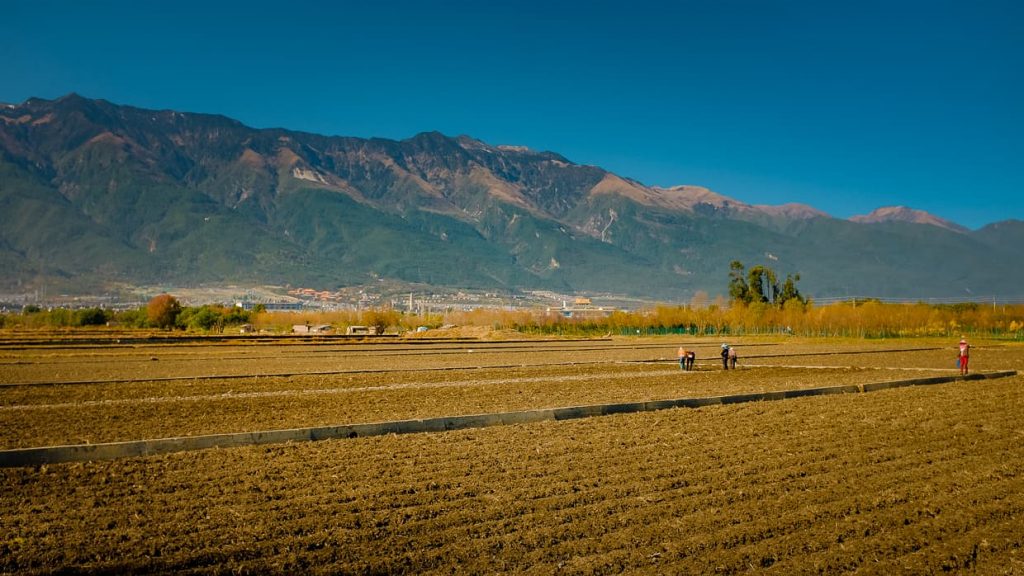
x=916, y=480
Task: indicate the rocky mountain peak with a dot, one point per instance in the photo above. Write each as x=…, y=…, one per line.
x=909, y=215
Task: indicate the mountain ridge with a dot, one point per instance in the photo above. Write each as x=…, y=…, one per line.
x=163, y=196
x=907, y=214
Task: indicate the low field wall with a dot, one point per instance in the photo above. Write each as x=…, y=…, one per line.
x=114, y=450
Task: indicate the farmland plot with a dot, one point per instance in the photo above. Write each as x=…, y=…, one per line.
x=915, y=480
x=189, y=360
x=132, y=393
x=20, y=364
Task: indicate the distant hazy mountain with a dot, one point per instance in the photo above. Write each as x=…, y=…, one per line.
x=904, y=214
x=93, y=193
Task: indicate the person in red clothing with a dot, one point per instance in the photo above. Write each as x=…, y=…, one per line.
x=965, y=355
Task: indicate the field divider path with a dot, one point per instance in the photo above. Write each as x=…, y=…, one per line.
x=367, y=352
x=310, y=391
x=741, y=366
x=309, y=373
x=800, y=354
x=114, y=450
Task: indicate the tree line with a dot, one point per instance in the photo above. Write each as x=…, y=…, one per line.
x=701, y=316
x=162, y=312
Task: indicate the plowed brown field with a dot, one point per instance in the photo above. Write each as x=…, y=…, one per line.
x=914, y=480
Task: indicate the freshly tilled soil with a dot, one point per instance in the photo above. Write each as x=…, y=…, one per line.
x=920, y=480
x=914, y=480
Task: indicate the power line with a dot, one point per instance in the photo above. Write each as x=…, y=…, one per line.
x=995, y=300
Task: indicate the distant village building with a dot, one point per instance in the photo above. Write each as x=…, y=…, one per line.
x=582, y=307
x=271, y=306
x=361, y=331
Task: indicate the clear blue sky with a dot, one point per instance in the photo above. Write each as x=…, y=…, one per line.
x=843, y=105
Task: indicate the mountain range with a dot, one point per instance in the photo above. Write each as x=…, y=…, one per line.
x=94, y=194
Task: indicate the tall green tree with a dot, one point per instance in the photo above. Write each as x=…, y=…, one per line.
x=756, y=282
x=739, y=290
x=761, y=284
x=790, y=291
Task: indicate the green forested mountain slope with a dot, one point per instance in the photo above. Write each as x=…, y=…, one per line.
x=93, y=193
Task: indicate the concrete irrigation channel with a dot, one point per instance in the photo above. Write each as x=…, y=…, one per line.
x=114, y=450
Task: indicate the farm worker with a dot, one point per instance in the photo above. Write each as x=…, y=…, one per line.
x=964, y=355
x=682, y=358
x=732, y=357
x=725, y=356
x=691, y=357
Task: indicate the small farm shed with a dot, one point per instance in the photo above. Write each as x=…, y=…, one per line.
x=311, y=328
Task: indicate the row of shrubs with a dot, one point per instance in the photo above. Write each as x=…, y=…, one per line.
x=870, y=319
x=207, y=318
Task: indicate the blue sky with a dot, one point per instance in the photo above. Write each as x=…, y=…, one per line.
x=843, y=105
